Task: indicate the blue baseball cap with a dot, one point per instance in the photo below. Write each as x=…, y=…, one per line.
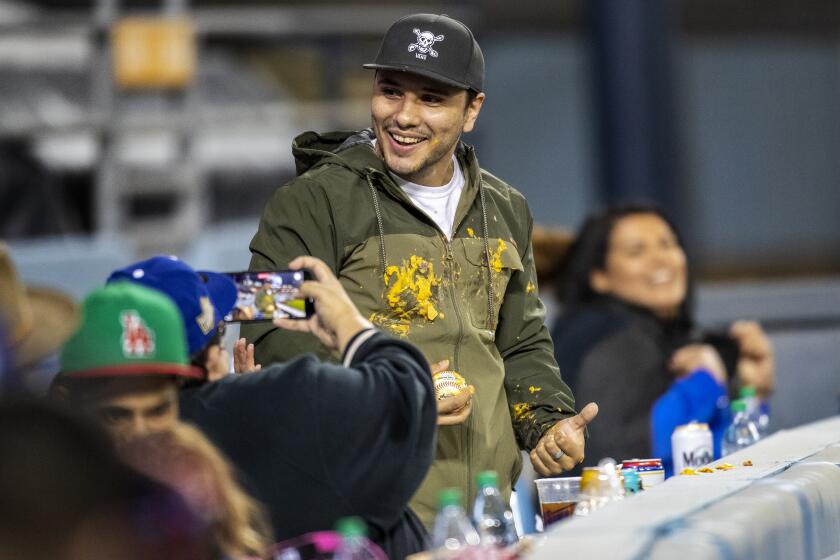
x=203, y=297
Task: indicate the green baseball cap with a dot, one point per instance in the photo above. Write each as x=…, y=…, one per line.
x=128, y=330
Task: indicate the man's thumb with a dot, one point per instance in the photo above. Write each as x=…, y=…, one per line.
x=585, y=416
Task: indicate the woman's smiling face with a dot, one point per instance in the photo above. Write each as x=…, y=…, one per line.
x=645, y=265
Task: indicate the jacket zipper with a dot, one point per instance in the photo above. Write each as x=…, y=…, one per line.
x=450, y=259
x=465, y=430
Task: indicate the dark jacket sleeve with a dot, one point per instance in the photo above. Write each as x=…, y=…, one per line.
x=376, y=424
x=624, y=373
x=296, y=221
x=536, y=393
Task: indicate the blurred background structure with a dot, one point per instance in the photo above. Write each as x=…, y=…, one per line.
x=129, y=128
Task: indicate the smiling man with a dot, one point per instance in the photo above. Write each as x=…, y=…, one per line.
x=435, y=250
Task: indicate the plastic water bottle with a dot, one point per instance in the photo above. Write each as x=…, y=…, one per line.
x=354, y=543
x=742, y=432
x=491, y=514
x=757, y=413
x=453, y=531
x=615, y=489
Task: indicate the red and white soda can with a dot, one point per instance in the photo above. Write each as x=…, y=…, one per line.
x=691, y=446
x=650, y=471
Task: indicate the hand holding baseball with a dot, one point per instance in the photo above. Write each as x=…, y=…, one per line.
x=454, y=409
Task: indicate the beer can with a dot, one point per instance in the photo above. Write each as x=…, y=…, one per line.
x=650, y=471
x=691, y=446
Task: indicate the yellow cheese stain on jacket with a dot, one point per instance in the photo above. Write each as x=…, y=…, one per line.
x=411, y=292
x=520, y=410
x=496, y=256
x=396, y=326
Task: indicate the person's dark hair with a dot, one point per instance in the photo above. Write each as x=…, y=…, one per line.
x=72, y=391
x=471, y=95
x=589, y=252
x=69, y=391
x=199, y=360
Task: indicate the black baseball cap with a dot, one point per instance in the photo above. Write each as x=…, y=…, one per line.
x=435, y=46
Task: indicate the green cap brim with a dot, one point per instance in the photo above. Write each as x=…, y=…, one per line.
x=139, y=370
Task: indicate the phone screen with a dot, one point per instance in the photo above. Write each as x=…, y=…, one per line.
x=263, y=296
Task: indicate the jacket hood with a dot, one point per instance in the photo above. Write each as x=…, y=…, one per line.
x=350, y=149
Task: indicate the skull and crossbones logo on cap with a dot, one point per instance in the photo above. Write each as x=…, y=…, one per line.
x=423, y=46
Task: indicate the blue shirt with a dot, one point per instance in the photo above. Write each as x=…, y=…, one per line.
x=698, y=397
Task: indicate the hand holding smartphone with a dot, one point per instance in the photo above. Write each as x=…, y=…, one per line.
x=269, y=295
x=727, y=347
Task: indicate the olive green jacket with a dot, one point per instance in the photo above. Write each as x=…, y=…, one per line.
x=472, y=300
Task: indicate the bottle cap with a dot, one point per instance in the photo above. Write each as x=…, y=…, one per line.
x=747, y=392
x=738, y=405
x=351, y=527
x=487, y=478
x=449, y=497
x=692, y=426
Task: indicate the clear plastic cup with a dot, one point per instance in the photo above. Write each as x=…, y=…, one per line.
x=558, y=498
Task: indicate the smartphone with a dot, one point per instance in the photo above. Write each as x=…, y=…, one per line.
x=268, y=295
x=726, y=346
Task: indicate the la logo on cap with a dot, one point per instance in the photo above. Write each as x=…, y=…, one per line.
x=423, y=46
x=206, y=320
x=138, y=340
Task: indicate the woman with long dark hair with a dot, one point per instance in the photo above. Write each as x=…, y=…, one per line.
x=627, y=337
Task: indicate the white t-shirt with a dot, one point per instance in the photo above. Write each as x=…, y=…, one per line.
x=440, y=203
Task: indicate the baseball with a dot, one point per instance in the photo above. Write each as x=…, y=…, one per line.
x=448, y=383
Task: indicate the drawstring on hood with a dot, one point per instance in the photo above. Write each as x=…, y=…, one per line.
x=490, y=295
x=383, y=257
